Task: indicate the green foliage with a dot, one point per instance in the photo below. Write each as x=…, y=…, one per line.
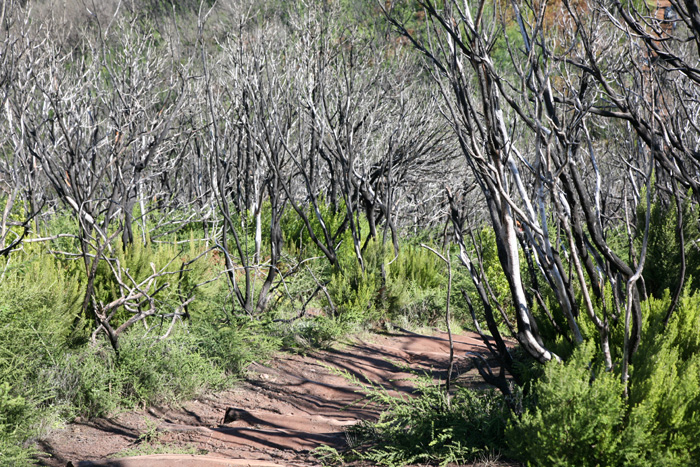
x=233, y=344
x=665, y=386
x=49, y=372
x=92, y=382
x=16, y=418
x=415, y=286
x=149, y=448
x=662, y=267
x=85, y=382
x=554, y=340
x=328, y=455
x=164, y=371
x=36, y=301
x=494, y=273
x=432, y=427
x=410, y=286
x=141, y=260
x=576, y=414
x=575, y=418
x=312, y=333
x=354, y=292
x=418, y=266
x=297, y=238
x=13, y=409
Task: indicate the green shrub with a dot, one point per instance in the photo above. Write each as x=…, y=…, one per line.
x=576, y=413
x=494, y=272
x=85, y=382
x=354, y=295
x=33, y=329
x=312, y=333
x=93, y=382
x=46, y=359
x=17, y=417
x=354, y=292
x=165, y=371
x=37, y=302
x=296, y=236
x=416, y=285
x=574, y=419
x=140, y=260
x=662, y=267
x=664, y=396
x=38, y=305
x=418, y=266
x=432, y=427
x=231, y=344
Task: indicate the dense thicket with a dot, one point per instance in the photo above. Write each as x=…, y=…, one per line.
x=178, y=176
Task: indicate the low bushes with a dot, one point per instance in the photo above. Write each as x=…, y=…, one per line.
x=574, y=417
x=577, y=416
x=432, y=427
x=574, y=413
x=17, y=419
x=92, y=382
x=232, y=344
x=410, y=287
x=50, y=371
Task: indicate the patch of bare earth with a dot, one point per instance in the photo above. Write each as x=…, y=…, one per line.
x=282, y=412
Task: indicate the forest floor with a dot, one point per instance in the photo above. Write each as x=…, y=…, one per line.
x=277, y=416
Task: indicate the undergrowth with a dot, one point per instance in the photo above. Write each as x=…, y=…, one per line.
x=576, y=414
x=51, y=371
x=430, y=427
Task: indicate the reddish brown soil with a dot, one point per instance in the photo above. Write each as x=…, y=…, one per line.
x=282, y=411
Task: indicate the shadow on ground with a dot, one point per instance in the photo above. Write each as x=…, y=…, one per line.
x=282, y=412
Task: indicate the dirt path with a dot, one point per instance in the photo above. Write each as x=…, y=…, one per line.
x=277, y=416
